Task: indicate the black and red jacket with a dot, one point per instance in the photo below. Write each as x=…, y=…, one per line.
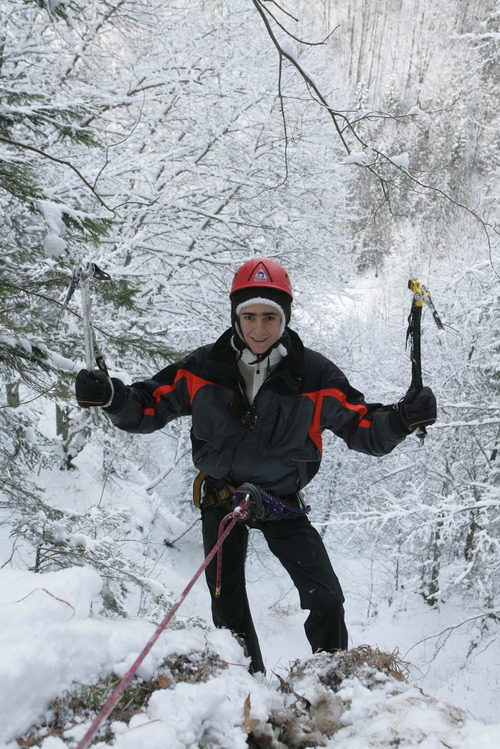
x=304, y=395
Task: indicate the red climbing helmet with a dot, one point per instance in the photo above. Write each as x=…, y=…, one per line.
x=264, y=273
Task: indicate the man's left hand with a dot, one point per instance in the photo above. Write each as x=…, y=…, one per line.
x=417, y=408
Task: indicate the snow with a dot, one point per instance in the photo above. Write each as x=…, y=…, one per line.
x=357, y=157
x=53, y=358
x=53, y=245
x=58, y=361
x=52, y=638
x=402, y=160
x=54, y=635
x=53, y=242
x=416, y=112
x=288, y=48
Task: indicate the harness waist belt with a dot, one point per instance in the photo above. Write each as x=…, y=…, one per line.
x=208, y=491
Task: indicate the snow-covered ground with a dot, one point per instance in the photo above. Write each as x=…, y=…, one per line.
x=52, y=638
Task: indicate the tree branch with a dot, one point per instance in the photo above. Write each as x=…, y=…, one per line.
x=349, y=126
x=63, y=162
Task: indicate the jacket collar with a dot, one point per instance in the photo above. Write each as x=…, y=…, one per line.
x=287, y=377
x=291, y=370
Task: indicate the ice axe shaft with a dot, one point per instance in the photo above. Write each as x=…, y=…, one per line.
x=82, y=277
x=88, y=333
x=421, y=296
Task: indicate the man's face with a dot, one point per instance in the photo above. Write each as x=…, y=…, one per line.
x=260, y=326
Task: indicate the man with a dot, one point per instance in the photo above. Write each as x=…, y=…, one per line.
x=259, y=402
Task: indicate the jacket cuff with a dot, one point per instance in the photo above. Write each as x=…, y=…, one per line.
x=119, y=397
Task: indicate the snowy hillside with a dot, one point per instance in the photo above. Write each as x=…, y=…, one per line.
x=194, y=690
x=62, y=658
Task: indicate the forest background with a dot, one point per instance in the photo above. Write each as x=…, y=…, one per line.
x=357, y=143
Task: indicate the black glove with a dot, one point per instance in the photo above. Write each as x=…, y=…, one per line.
x=93, y=388
x=417, y=408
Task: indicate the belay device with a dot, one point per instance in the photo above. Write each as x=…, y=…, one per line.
x=421, y=296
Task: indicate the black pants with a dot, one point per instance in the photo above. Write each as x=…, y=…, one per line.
x=301, y=551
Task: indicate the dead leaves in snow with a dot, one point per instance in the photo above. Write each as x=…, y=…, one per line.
x=249, y=724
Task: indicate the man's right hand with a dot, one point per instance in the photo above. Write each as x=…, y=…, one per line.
x=93, y=388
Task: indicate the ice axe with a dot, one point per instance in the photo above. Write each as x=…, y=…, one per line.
x=421, y=296
x=82, y=277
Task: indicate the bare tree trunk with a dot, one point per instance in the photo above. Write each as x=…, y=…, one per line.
x=62, y=430
x=430, y=572
x=12, y=390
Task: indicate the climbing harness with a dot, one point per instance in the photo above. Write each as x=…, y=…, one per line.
x=81, y=278
x=208, y=491
x=261, y=506
x=266, y=506
x=421, y=296
x=240, y=513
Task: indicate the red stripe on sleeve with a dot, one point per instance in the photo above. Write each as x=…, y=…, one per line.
x=193, y=383
x=317, y=399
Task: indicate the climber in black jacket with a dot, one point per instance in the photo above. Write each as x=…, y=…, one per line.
x=259, y=402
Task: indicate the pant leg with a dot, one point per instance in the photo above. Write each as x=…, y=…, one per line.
x=231, y=610
x=301, y=551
